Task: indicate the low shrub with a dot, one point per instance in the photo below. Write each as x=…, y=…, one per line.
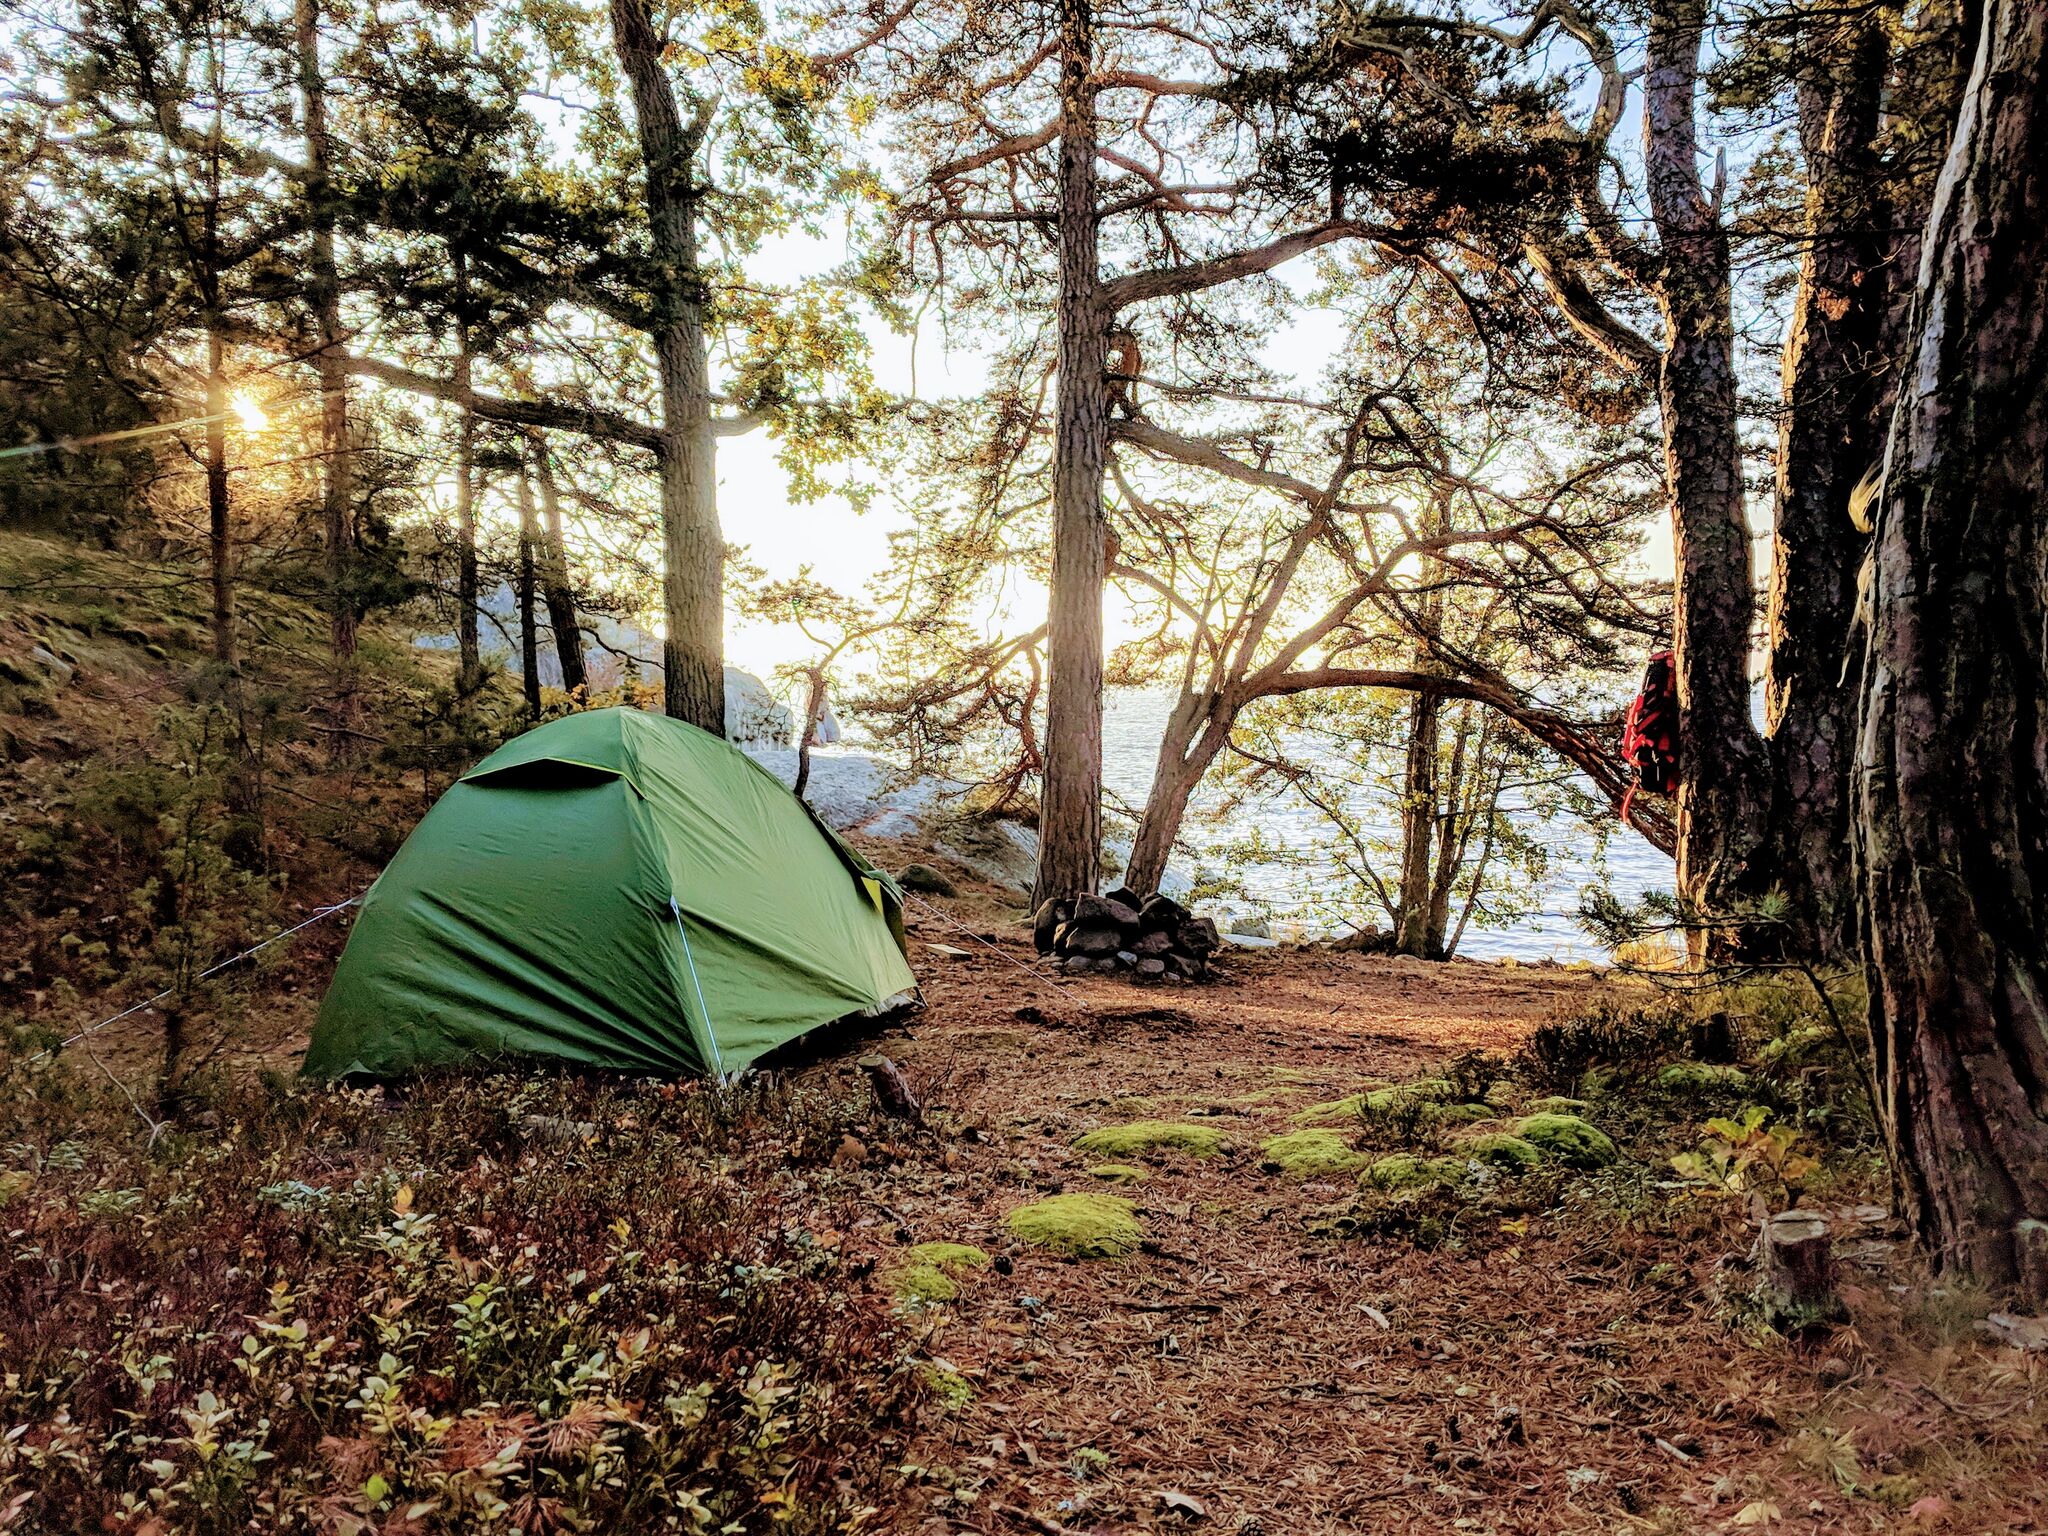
x=1618, y=1030
x=334, y=1315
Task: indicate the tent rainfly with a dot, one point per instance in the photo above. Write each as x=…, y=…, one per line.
x=616, y=890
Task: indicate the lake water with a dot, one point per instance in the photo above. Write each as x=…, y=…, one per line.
x=1133, y=723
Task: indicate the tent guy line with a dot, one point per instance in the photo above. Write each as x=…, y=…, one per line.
x=232, y=960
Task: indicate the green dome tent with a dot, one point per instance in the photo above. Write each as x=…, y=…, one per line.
x=618, y=890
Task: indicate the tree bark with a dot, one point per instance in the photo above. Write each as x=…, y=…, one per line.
x=814, y=709
x=1070, y=804
x=693, y=548
x=555, y=587
x=1721, y=779
x=1835, y=366
x=323, y=293
x=1795, y=1261
x=219, y=534
x=529, y=635
x=1459, y=792
x=469, y=667
x=1951, y=773
x=1413, y=919
x=1193, y=739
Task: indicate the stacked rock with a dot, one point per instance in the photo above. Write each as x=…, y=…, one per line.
x=1151, y=937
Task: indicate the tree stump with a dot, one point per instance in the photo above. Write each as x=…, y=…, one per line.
x=1795, y=1265
x=892, y=1089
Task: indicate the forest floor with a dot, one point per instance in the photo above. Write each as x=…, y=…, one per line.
x=1554, y=1370
x=1553, y=1364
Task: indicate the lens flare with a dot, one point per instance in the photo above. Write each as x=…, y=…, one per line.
x=248, y=412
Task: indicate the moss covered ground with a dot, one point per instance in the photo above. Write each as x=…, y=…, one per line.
x=1141, y=1136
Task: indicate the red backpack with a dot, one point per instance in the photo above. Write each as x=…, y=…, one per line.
x=1649, y=739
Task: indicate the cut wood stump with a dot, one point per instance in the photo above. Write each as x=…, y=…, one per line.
x=1795, y=1267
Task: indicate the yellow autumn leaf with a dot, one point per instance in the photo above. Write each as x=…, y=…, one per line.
x=1756, y=1512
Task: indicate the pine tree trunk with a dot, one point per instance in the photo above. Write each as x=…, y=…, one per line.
x=323, y=291
x=529, y=634
x=1459, y=794
x=1951, y=773
x=1418, y=826
x=1835, y=364
x=1721, y=781
x=693, y=548
x=219, y=533
x=1070, y=804
x=469, y=649
x=555, y=587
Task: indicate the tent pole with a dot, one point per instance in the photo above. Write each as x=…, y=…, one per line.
x=703, y=1010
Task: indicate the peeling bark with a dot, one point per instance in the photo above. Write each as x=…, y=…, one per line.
x=1951, y=772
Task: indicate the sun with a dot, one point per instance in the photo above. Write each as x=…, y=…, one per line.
x=248, y=412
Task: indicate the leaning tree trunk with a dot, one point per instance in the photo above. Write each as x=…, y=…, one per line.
x=1835, y=364
x=1951, y=775
x=693, y=548
x=555, y=589
x=1721, y=779
x=323, y=292
x=1195, y=733
x=1070, y=802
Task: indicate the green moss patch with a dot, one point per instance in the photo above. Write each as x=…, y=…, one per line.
x=1702, y=1077
x=1426, y=1090
x=1078, y=1226
x=1558, y=1104
x=1142, y=1136
x=1346, y=1108
x=1574, y=1142
x=1459, y=1114
x=925, y=1273
x=1510, y=1154
x=1309, y=1154
x=1118, y=1173
x=1503, y=1095
x=1406, y=1171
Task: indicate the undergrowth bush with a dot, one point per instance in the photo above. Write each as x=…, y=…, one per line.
x=335, y=1314
x=1616, y=1030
